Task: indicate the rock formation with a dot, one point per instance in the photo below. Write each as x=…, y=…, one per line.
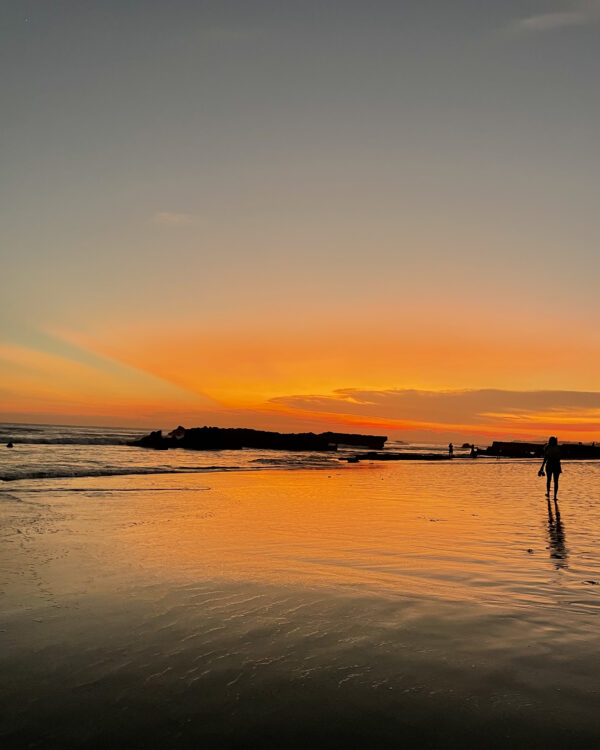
x=536, y=450
x=219, y=438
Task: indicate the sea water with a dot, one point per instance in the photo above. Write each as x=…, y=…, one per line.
x=57, y=452
x=380, y=604
x=62, y=451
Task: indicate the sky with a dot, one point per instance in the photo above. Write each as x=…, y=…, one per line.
x=364, y=216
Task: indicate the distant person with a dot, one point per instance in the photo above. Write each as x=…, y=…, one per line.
x=473, y=453
x=552, y=465
x=450, y=449
x=9, y=444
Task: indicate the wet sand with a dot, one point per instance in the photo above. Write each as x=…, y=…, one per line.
x=425, y=605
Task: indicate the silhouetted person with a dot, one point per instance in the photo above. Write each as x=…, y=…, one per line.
x=450, y=449
x=552, y=465
x=9, y=444
x=473, y=452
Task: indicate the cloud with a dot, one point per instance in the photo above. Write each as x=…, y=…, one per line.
x=580, y=16
x=484, y=411
x=171, y=219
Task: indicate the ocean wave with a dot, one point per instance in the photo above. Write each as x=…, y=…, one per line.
x=14, y=475
x=67, y=441
x=308, y=462
x=16, y=428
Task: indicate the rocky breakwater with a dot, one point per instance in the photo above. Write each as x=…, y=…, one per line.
x=220, y=438
x=515, y=449
x=373, y=456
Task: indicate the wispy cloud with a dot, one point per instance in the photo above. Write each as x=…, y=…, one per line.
x=171, y=219
x=486, y=411
x=581, y=15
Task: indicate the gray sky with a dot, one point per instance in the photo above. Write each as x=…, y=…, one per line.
x=225, y=165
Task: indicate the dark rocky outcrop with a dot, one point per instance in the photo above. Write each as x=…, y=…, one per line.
x=373, y=456
x=219, y=438
x=153, y=440
x=375, y=442
x=536, y=450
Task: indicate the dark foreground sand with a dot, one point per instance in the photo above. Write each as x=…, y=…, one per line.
x=413, y=605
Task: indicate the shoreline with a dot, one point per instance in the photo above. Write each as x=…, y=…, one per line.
x=340, y=463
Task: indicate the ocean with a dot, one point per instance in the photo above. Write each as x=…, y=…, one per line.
x=237, y=598
x=58, y=452
x=62, y=451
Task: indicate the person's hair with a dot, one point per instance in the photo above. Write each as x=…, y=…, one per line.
x=552, y=441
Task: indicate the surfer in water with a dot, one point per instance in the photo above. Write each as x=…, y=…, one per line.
x=551, y=463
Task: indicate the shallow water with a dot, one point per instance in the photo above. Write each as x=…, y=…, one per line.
x=56, y=451
x=63, y=461
x=420, y=604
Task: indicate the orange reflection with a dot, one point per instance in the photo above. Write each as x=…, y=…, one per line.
x=449, y=530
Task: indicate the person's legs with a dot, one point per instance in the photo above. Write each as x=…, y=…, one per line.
x=556, y=475
x=548, y=480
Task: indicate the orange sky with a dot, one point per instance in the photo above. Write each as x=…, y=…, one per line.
x=358, y=378
x=341, y=217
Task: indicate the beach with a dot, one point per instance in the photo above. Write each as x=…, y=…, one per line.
x=296, y=298
x=421, y=604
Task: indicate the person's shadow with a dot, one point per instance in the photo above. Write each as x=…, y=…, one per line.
x=556, y=536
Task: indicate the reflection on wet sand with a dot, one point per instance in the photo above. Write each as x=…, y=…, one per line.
x=556, y=537
x=375, y=606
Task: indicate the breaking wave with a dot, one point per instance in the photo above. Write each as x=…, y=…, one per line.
x=21, y=434
x=14, y=475
x=69, y=441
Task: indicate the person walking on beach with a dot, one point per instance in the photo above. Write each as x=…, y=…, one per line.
x=450, y=450
x=552, y=464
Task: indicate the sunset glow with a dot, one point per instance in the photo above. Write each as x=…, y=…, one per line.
x=299, y=374
x=246, y=248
